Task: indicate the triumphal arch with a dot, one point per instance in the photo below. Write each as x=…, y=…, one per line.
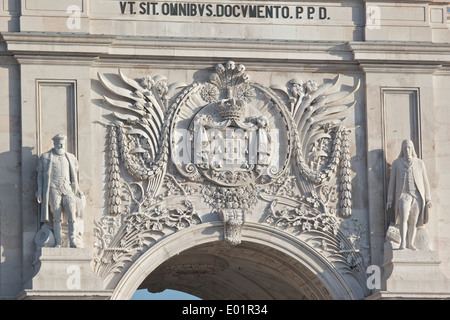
x=231, y=150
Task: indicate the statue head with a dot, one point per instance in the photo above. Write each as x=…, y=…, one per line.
x=262, y=122
x=59, y=142
x=408, y=150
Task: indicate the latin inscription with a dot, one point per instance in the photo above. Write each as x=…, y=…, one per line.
x=209, y=10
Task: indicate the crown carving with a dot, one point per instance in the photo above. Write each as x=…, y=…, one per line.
x=230, y=108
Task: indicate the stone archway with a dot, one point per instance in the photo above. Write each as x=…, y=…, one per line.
x=234, y=162
x=268, y=264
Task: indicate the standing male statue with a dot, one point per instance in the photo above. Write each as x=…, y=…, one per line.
x=58, y=190
x=410, y=185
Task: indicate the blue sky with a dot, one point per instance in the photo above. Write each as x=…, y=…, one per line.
x=165, y=295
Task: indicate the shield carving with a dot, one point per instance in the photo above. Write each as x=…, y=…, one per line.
x=228, y=131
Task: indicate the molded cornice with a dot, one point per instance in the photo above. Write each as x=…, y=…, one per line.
x=87, y=48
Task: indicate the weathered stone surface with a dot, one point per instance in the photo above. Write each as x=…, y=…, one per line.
x=261, y=138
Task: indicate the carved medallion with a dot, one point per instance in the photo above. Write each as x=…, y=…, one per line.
x=228, y=130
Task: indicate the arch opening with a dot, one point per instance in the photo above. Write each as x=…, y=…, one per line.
x=268, y=264
x=248, y=271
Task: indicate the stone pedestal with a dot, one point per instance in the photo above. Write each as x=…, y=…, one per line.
x=421, y=241
x=410, y=274
x=64, y=273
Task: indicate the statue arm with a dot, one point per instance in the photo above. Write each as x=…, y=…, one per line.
x=75, y=164
x=40, y=170
x=391, y=188
x=426, y=185
x=76, y=169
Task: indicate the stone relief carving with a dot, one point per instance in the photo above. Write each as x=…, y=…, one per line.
x=337, y=239
x=240, y=145
x=60, y=197
x=409, y=191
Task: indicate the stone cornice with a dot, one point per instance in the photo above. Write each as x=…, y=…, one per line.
x=395, y=57
x=42, y=47
x=54, y=48
x=29, y=47
x=86, y=49
x=385, y=67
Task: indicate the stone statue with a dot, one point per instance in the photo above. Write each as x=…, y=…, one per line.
x=409, y=184
x=58, y=193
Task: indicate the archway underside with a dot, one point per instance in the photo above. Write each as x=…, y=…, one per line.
x=243, y=272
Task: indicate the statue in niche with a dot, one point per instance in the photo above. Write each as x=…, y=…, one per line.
x=59, y=195
x=409, y=183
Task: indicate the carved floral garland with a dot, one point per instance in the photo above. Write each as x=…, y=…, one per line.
x=323, y=227
x=122, y=238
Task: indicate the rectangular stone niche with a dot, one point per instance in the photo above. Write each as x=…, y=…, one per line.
x=57, y=112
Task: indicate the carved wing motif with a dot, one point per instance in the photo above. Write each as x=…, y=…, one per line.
x=321, y=142
x=140, y=134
